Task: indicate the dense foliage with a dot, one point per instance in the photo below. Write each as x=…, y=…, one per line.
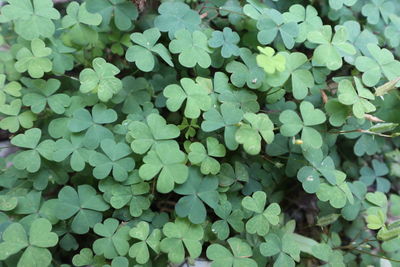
x=246, y=133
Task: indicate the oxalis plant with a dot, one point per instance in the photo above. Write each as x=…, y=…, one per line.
x=243, y=133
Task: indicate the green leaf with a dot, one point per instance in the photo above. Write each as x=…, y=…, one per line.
x=40, y=238
x=140, y=250
x=338, y=4
x=100, y=80
x=230, y=218
x=154, y=131
x=35, y=60
x=115, y=159
x=380, y=63
x=270, y=62
x=197, y=190
x=79, y=21
x=227, y=40
x=123, y=12
x=246, y=73
x=15, y=118
x=228, y=118
x=292, y=124
x=74, y=149
x=239, y=255
x=199, y=155
x=347, y=95
x=93, y=124
x=260, y=126
x=31, y=159
x=374, y=10
x=12, y=88
x=175, y=16
x=166, y=162
x=84, y=205
x=114, y=239
x=262, y=217
x=307, y=19
x=85, y=257
x=272, y=23
x=297, y=69
x=330, y=48
x=43, y=94
x=143, y=53
x=192, y=48
x=181, y=234
x=31, y=19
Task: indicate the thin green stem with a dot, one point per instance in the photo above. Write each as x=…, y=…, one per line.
x=376, y=255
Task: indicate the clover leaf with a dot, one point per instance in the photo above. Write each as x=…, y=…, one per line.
x=325, y=253
x=338, y=4
x=61, y=57
x=134, y=94
x=330, y=48
x=228, y=118
x=301, y=78
x=241, y=98
x=285, y=248
x=239, y=255
x=347, y=95
x=230, y=217
x=92, y=124
x=78, y=21
x=393, y=30
x=375, y=9
x=199, y=155
x=337, y=195
x=123, y=12
x=175, y=16
x=166, y=162
x=32, y=19
x=273, y=23
x=192, y=48
x=263, y=217
x=338, y=113
x=43, y=93
x=233, y=175
x=12, y=88
x=196, y=96
x=85, y=257
x=228, y=40
x=100, y=80
x=249, y=134
x=131, y=193
x=115, y=159
x=292, y=124
x=114, y=239
x=15, y=118
x=371, y=175
x=270, y=62
x=34, y=243
x=35, y=60
x=307, y=19
x=154, y=131
x=143, y=53
x=31, y=159
x=74, y=149
x=309, y=178
x=249, y=73
x=197, y=190
x=381, y=62
x=181, y=234
x=140, y=250
x=84, y=205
